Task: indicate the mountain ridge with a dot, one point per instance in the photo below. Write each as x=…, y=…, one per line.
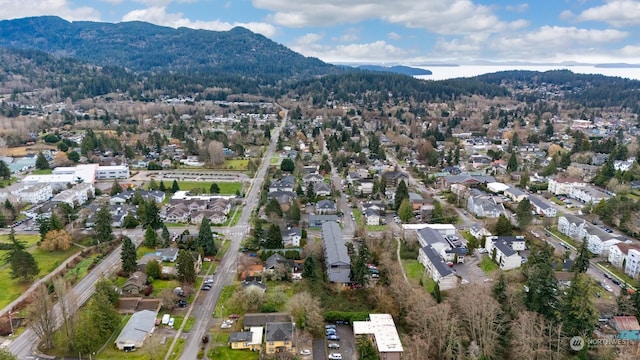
x=145, y=47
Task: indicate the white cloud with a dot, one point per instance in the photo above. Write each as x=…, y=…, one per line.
x=438, y=16
x=394, y=36
x=618, y=13
x=517, y=8
x=158, y=15
x=349, y=36
x=369, y=52
x=12, y=9
x=546, y=42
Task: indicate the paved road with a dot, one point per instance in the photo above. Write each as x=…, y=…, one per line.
x=228, y=265
x=348, y=225
x=23, y=345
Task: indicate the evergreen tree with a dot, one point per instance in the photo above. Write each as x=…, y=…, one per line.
x=166, y=236
x=185, y=270
x=273, y=207
x=405, y=212
x=153, y=269
x=102, y=225
x=287, y=165
x=130, y=221
x=22, y=264
x=175, y=187
x=294, y=213
x=43, y=224
x=214, y=189
x=309, y=267
x=55, y=223
x=299, y=190
x=500, y=289
x=581, y=262
x=162, y=187
x=41, y=162
x=205, y=239
x=128, y=256
x=503, y=226
x=311, y=194
x=523, y=213
x=152, y=214
x=150, y=237
x=359, y=270
x=437, y=295
x=437, y=215
x=115, y=188
x=541, y=284
x=258, y=233
x=5, y=172
x=402, y=192
x=578, y=313
x=274, y=238
x=512, y=164
x=73, y=156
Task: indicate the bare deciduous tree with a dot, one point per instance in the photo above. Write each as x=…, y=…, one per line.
x=41, y=316
x=216, y=152
x=68, y=303
x=530, y=337
x=306, y=312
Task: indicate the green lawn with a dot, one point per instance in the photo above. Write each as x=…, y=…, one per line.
x=376, y=227
x=143, y=250
x=29, y=240
x=414, y=270
x=226, y=188
x=11, y=289
x=175, y=225
x=275, y=160
x=80, y=270
x=49, y=261
x=357, y=215
x=42, y=172
x=177, y=349
x=239, y=164
x=226, y=353
x=487, y=265
x=159, y=285
x=223, y=300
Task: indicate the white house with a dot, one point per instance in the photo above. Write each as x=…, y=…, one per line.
x=478, y=231
x=36, y=194
x=599, y=241
x=624, y=165
x=77, y=195
x=542, y=207
x=588, y=194
x=632, y=267
x=515, y=194
x=437, y=269
x=503, y=254
x=618, y=254
x=573, y=226
x=517, y=243
x=372, y=216
x=483, y=205
x=564, y=186
x=322, y=189
x=291, y=236
x=112, y=172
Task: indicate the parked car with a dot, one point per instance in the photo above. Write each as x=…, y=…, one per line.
x=171, y=322
x=205, y=339
x=335, y=356
x=330, y=332
x=206, y=287
x=333, y=337
x=234, y=316
x=330, y=326
x=333, y=346
x=182, y=303
x=305, y=352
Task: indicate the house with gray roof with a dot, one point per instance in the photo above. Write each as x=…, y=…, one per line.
x=505, y=256
x=135, y=332
x=484, y=205
x=322, y=189
x=336, y=257
x=318, y=220
x=515, y=194
x=437, y=269
x=542, y=207
x=326, y=207
x=573, y=226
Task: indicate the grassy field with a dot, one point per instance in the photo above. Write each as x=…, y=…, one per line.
x=226, y=353
x=49, y=261
x=226, y=188
x=223, y=300
x=80, y=270
x=376, y=227
x=42, y=172
x=487, y=265
x=357, y=215
x=11, y=289
x=240, y=164
x=143, y=250
x=29, y=240
x=275, y=160
x=21, y=151
x=159, y=285
x=414, y=270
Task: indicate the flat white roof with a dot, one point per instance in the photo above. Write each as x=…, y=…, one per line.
x=497, y=187
x=256, y=334
x=439, y=227
x=52, y=178
x=113, y=168
x=382, y=327
x=86, y=172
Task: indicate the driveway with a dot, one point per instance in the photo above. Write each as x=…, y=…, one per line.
x=470, y=270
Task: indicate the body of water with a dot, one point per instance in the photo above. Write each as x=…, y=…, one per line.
x=450, y=72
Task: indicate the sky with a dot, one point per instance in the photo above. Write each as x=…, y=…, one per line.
x=410, y=32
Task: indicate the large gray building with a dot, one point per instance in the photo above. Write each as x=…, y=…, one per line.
x=336, y=256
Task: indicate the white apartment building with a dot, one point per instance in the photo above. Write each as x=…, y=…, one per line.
x=36, y=194
x=632, y=267
x=113, y=172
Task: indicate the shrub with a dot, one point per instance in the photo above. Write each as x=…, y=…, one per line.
x=148, y=290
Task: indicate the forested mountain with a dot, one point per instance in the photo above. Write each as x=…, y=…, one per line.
x=379, y=86
x=591, y=90
x=143, y=47
x=398, y=69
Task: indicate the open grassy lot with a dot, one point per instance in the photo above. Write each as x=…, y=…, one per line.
x=487, y=265
x=42, y=172
x=80, y=270
x=357, y=215
x=49, y=261
x=240, y=164
x=414, y=270
x=11, y=289
x=21, y=151
x=376, y=227
x=159, y=285
x=275, y=160
x=226, y=188
x=29, y=240
x=226, y=353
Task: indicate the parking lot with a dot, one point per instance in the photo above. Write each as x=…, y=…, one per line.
x=347, y=344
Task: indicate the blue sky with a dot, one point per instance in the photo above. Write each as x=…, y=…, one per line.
x=396, y=31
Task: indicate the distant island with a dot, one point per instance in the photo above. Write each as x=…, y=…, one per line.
x=398, y=69
x=617, y=65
